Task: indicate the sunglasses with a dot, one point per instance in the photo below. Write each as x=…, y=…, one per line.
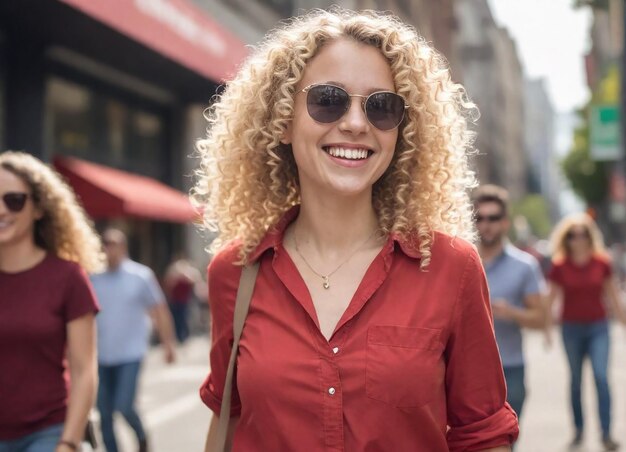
x=15, y=201
x=328, y=103
x=489, y=218
x=577, y=235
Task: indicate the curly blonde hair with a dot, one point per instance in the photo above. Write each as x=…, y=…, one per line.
x=64, y=229
x=558, y=240
x=248, y=179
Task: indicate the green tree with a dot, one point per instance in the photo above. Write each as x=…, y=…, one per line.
x=587, y=177
x=534, y=208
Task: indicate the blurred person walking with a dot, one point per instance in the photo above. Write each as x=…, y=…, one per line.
x=179, y=283
x=127, y=291
x=515, y=285
x=581, y=278
x=345, y=176
x=47, y=309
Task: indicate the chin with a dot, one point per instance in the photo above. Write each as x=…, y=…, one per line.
x=489, y=242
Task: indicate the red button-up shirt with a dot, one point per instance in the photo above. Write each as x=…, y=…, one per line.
x=411, y=366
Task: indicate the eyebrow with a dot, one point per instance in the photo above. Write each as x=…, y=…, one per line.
x=341, y=85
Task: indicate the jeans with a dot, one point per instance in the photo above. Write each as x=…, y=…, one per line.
x=592, y=339
x=181, y=324
x=116, y=392
x=515, y=388
x=44, y=440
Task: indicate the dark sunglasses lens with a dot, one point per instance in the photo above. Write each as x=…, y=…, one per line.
x=14, y=201
x=574, y=235
x=327, y=103
x=488, y=218
x=385, y=111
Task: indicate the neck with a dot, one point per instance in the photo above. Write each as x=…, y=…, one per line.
x=112, y=266
x=20, y=256
x=490, y=252
x=334, y=226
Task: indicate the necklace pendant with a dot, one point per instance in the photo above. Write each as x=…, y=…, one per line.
x=326, y=284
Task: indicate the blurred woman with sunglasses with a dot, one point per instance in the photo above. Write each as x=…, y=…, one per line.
x=337, y=158
x=47, y=308
x=581, y=277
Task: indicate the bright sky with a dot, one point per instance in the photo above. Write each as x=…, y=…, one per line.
x=552, y=39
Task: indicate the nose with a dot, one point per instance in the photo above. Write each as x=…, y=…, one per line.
x=355, y=121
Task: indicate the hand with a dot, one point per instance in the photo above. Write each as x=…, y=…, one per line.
x=503, y=310
x=170, y=353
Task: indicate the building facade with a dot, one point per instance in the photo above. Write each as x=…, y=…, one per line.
x=539, y=141
x=492, y=74
x=119, y=85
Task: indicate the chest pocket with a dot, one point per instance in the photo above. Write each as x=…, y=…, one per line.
x=404, y=366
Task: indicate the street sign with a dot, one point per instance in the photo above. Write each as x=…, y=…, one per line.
x=604, y=124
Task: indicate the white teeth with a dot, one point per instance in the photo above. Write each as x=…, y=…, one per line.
x=350, y=154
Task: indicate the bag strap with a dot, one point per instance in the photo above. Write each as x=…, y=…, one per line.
x=242, y=303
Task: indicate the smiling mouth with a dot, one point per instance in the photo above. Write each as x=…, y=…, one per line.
x=348, y=153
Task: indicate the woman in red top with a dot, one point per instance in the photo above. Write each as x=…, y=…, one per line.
x=581, y=277
x=47, y=308
x=337, y=158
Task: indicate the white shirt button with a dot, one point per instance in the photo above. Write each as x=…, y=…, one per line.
x=331, y=391
x=336, y=350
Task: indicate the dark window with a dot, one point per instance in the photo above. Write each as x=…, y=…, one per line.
x=100, y=127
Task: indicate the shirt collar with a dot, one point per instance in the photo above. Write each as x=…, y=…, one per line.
x=274, y=237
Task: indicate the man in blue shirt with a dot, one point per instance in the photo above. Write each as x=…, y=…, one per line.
x=515, y=286
x=129, y=295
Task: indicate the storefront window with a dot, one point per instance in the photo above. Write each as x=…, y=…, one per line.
x=69, y=107
x=99, y=127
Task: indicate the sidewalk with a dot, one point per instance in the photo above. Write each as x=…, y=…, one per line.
x=546, y=424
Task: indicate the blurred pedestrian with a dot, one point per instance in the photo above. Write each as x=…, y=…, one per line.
x=128, y=291
x=581, y=277
x=515, y=286
x=47, y=309
x=345, y=175
x=180, y=281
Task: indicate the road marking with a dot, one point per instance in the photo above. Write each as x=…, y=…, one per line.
x=172, y=410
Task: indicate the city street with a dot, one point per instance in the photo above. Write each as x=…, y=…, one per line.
x=177, y=420
x=546, y=424
x=174, y=416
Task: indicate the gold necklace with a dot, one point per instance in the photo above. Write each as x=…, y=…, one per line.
x=326, y=278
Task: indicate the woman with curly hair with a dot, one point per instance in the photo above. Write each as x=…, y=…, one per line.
x=581, y=277
x=47, y=309
x=337, y=158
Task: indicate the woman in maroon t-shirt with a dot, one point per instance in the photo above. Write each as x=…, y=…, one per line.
x=581, y=276
x=47, y=309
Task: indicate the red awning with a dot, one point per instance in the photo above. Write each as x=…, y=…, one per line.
x=111, y=193
x=177, y=29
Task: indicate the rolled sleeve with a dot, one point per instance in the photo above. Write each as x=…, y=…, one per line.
x=478, y=414
x=223, y=280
